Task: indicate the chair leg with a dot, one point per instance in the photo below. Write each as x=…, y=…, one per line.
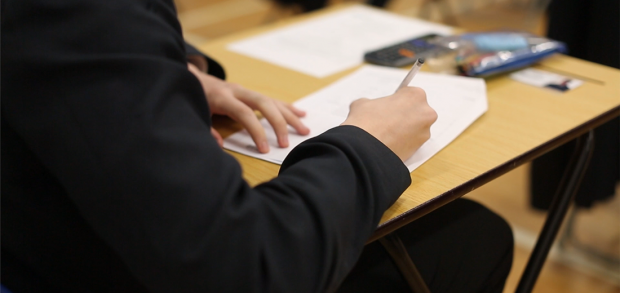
x=397, y=251
x=569, y=239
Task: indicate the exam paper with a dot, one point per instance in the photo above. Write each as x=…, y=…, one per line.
x=332, y=43
x=458, y=101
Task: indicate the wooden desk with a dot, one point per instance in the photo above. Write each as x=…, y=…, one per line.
x=522, y=123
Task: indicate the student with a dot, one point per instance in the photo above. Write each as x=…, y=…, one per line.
x=113, y=179
x=591, y=31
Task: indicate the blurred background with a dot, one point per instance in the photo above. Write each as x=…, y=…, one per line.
x=587, y=253
x=206, y=19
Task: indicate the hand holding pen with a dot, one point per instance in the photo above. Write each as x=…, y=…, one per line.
x=401, y=121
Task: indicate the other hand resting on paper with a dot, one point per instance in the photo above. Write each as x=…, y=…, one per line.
x=401, y=121
x=239, y=104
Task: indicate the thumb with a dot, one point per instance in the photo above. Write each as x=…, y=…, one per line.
x=217, y=137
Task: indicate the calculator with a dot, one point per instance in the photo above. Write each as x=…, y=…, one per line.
x=407, y=52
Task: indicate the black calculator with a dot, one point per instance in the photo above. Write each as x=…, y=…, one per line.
x=407, y=52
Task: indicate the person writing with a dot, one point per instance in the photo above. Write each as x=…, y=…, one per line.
x=113, y=179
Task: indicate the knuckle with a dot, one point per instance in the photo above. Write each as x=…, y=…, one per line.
x=220, y=91
x=246, y=112
x=417, y=92
x=432, y=114
x=420, y=91
x=358, y=102
x=220, y=103
x=217, y=103
x=266, y=102
x=279, y=122
x=234, y=86
x=427, y=135
x=261, y=104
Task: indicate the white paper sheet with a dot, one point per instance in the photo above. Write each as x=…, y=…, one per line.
x=458, y=101
x=335, y=42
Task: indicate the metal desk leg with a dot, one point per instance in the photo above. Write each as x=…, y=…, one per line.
x=397, y=251
x=561, y=201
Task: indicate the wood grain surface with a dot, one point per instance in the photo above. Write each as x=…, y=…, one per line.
x=522, y=122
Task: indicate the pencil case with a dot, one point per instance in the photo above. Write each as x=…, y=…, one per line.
x=490, y=53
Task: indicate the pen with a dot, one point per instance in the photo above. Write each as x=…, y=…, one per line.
x=414, y=69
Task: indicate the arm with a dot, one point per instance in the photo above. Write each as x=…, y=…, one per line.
x=120, y=122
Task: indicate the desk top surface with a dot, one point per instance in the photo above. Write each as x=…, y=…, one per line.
x=522, y=122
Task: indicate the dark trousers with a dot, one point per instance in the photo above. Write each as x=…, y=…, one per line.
x=461, y=247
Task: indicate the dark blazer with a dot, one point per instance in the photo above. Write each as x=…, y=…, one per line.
x=111, y=181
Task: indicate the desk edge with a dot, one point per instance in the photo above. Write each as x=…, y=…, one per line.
x=442, y=199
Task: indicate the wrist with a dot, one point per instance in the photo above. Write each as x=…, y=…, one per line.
x=199, y=61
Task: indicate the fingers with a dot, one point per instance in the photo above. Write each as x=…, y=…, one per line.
x=297, y=112
x=401, y=121
x=271, y=112
x=217, y=137
x=291, y=115
x=239, y=104
x=429, y=113
x=279, y=114
x=241, y=113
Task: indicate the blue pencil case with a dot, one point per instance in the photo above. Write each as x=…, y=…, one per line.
x=490, y=53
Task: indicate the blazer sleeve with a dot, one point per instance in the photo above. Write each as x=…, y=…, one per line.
x=100, y=93
x=213, y=67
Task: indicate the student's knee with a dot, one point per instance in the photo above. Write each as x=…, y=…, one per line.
x=495, y=226
x=499, y=238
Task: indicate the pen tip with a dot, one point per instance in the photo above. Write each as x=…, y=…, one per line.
x=421, y=60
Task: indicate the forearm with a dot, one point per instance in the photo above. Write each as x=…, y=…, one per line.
x=337, y=187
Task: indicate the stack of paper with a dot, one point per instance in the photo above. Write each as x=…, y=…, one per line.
x=458, y=101
x=335, y=42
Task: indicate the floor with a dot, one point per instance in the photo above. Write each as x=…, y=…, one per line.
x=568, y=269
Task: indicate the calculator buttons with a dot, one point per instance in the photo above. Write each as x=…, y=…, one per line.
x=406, y=53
